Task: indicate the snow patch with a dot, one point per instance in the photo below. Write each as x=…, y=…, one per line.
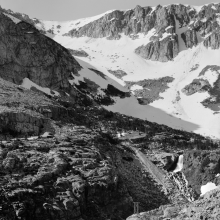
x=218, y=20
x=136, y=87
x=204, y=20
x=32, y=138
x=112, y=19
x=214, y=8
x=210, y=76
x=168, y=27
x=27, y=83
x=165, y=35
x=15, y=20
x=208, y=187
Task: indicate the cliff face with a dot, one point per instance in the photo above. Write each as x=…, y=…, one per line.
x=213, y=41
x=138, y=20
x=169, y=25
x=26, y=53
x=163, y=50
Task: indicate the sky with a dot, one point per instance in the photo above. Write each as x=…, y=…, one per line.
x=63, y=10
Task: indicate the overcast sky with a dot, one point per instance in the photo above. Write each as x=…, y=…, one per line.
x=62, y=10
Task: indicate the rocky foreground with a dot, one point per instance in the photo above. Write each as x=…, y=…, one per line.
x=207, y=207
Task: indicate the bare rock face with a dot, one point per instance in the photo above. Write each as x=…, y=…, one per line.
x=190, y=38
x=201, y=167
x=19, y=122
x=198, y=85
x=151, y=89
x=213, y=41
x=165, y=22
x=26, y=53
x=163, y=50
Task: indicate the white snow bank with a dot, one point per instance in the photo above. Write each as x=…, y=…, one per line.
x=165, y=35
x=45, y=134
x=211, y=76
x=15, y=20
x=179, y=166
x=27, y=83
x=208, y=187
x=136, y=87
x=32, y=138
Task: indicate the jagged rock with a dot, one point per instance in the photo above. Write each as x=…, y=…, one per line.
x=213, y=41
x=190, y=38
x=197, y=85
x=152, y=89
x=163, y=50
x=169, y=161
x=22, y=122
x=118, y=73
x=131, y=22
x=10, y=161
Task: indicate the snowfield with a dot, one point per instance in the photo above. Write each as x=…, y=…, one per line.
x=186, y=112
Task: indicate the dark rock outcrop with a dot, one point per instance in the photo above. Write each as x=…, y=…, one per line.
x=190, y=38
x=78, y=53
x=213, y=41
x=163, y=50
x=138, y=20
x=152, y=88
x=118, y=73
x=26, y=53
x=197, y=85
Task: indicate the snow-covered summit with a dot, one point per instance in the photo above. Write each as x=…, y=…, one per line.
x=63, y=27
